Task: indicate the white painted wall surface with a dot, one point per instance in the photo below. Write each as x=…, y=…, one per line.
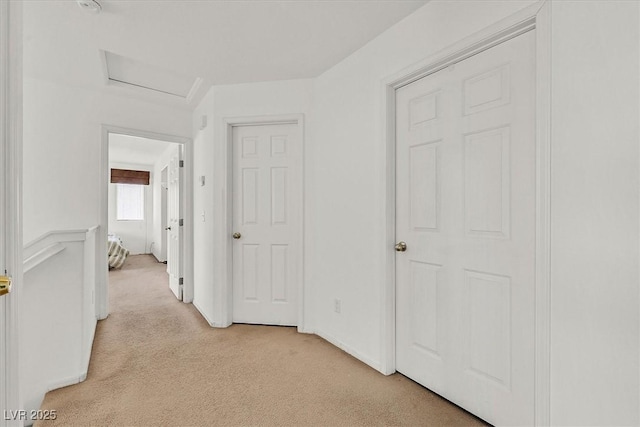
x=203, y=222
x=242, y=100
x=58, y=316
x=136, y=236
x=345, y=198
x=594, y=213
x=55, y=327
x=62, y=149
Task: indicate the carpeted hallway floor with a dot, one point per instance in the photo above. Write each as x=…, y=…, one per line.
x=156, y=362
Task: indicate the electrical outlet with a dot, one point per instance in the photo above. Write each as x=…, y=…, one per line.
x=337, y=305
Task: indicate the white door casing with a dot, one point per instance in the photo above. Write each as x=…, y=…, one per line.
x=10, y=208
x=102, y=291
x=174, y=227
x=267, y=215
x=465, y=205
x=164, y=209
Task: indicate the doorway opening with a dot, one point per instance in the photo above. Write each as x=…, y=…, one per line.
x=145, y=200
x=138, y=197
x=263, y=246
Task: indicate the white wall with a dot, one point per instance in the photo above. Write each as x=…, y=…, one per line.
x=136, y=236
x=62, y=138
x=203, y=221
x=58, y=318
x=55, y=327
x=594, y=208
x=243, y=100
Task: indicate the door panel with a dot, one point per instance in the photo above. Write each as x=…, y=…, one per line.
x=174, y=235
x=266, y=214
x=466, y=209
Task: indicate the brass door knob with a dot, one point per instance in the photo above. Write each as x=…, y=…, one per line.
x=5, y=285
x=401, y=246
x=237, y=235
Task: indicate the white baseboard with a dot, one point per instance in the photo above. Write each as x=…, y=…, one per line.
x=348, y=349
x=64, y=382
x=158, y=259
x=87, y=355
x=306, y=331
x=209, y=321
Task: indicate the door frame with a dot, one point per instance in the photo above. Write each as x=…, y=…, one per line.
x=535, y=17
x=164, y=211
x=11, y=205
x=227, y=201
x=102, y=290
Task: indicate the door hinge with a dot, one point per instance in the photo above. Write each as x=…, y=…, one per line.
x=181, y=222
x=181, y=164
x=181, y=281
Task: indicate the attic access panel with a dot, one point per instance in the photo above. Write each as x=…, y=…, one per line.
x=129, y=72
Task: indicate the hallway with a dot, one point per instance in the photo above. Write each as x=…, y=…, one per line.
x=155, y=361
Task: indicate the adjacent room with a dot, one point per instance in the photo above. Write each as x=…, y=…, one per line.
x=145, y=204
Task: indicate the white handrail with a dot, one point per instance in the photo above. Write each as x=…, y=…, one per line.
x=41, y=256
x=43, y=245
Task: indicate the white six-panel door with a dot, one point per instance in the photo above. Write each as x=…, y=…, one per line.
x=465, y=144
x=266, y=216
x=174, y=232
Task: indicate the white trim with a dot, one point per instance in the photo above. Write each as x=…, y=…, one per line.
x=102, y=270
x=203, y=314
x=41, y=256
x=535, y=16
x=196, y=92
x=10, y=203
x=195, y=89
x=65, y=382
x=77, y=235
x=226, y=308
x=49, y=244
x=88, y=294
x=542, y=407
x=348, y=349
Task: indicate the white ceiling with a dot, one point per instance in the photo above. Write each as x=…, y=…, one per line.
x=222, y=42
x=131, y=149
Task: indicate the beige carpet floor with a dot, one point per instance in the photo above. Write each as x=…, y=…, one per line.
x=156, y=362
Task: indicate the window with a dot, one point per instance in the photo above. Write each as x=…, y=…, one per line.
x=130, y=202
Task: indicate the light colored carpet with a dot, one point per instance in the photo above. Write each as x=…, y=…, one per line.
x=155, y=362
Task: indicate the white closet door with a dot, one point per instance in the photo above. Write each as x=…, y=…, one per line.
x=266, y=218
x=466, y=210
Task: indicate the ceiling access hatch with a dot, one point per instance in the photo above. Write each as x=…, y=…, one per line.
x=127, y=72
